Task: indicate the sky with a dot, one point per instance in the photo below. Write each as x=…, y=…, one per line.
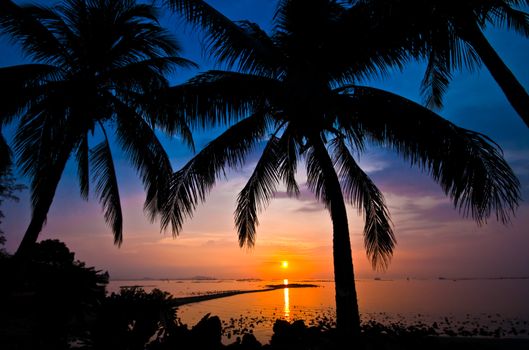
x=433, y=240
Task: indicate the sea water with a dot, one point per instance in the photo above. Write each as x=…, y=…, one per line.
x=500, y=305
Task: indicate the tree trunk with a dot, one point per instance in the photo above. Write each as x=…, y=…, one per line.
x=38, y=218
x=511, y=87
x=39, y=215
x=347, y=314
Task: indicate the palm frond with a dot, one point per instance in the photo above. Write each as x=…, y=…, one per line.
x=5, y=154
x=347, y=121
x=125, y=31
x=104, y=176
x=42, y=153
x=360, y=191
x=435, y=82
x=362, y=45
x=287, y=168
x=190, y=184
x=171, y=121
x=219, y=98
x=147, y=155
x=445, y=53
x=316, y=177
x=468, y=165
x=257, y=193
x=235, y=43
x=22, y=25
x=146, y=76
x=82, y=156
x=38, y=137
x=22, y=85
x=150, y=71
x=504, y=15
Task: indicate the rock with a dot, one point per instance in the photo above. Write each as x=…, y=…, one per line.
x=207, y=333
x=249, y=342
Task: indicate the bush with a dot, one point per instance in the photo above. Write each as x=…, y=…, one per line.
x=131, y=319
x=48, y=300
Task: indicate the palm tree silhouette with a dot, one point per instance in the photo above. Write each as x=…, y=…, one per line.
x=296, y=92
x=449, y=34
x=94, y=62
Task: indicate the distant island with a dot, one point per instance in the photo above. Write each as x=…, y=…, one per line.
x=192, y=278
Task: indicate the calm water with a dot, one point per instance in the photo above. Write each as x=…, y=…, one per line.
x=461, y=304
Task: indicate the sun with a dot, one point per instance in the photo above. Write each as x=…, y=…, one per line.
x=284, y=264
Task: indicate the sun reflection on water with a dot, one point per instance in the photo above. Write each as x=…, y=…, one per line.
x=286, y=308
x=286, y=297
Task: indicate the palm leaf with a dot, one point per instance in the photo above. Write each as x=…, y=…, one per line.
x=361, y=192
x=242, y=43
x=104, y=176
x=38, y=136
x=42, y=152
x=22, y=85
x=257, y=193
x=435, y=82
x=82, y=156
x=288, y=153
x=315, y=177
x=219, y=98
x=5, y=154
x=146, y=153
x=146, y=74
x=468, y=165
x=445, y=53
x=346, y=43
x=190, y=184
x=505, y=15
x=22, y=24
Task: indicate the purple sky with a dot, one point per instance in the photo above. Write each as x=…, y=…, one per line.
x=433, y=240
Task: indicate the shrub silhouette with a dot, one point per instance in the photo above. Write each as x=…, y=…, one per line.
x=49, y=300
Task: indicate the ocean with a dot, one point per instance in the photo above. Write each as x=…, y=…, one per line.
x=495, y=307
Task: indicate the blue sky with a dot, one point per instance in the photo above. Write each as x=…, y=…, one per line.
x=433, y=239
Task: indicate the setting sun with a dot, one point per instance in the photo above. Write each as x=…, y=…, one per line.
x=284, y=264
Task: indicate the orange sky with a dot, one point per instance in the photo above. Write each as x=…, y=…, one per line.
x=433, y=240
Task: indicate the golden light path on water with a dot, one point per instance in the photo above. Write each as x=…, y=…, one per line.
x=286, y=298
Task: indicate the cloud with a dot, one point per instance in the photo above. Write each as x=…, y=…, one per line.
x=374, y=161
x=312, y=207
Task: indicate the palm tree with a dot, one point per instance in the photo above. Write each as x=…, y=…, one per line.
x=93, y=62
x=449, y=34
x=296, y=91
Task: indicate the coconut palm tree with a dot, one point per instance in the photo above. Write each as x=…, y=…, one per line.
x=449, y=34
x=92, y=63
x=296, y=94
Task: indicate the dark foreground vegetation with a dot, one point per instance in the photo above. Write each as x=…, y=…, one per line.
x=55, y=302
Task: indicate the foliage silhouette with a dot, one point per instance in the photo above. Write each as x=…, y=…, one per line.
x=94, y=62
x=296, y=91
x=129, y=319
x=8, y=188
x=48, y=300
x=449, y=35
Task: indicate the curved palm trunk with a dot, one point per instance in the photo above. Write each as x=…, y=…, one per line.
x=511, y=87
x=347, y=314
x=38, y=217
